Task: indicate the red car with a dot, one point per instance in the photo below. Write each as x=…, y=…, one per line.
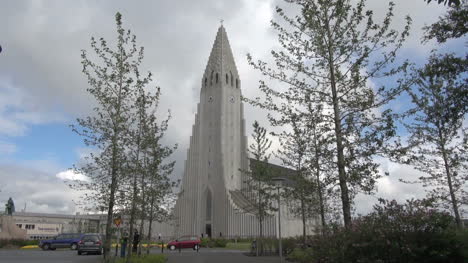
x=185, y=242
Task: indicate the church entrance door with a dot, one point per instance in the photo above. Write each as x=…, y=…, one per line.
x=208, y=229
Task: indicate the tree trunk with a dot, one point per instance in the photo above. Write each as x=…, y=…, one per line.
x=449, y=180
x=110, y=209
x=142, y=209
x=339, y=139
x=321, y=204
x=303, y=212
x=132, y=219
x=260, y=221
x=150, y=226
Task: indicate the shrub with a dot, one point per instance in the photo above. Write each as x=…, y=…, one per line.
x=220, y=242
x=300, y=255
x=205, y=242
x=410, y=232
x=290, y=244
x=213, y=242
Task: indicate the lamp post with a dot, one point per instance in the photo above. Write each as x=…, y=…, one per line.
x=279, y=181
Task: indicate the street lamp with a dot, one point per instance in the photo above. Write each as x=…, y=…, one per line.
x=278, y=182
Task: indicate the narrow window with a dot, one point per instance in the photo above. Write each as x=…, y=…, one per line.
x=206, y=82
x=232, y=80
x=216, y=77
x=227, y=79
x=208, y=205
x=237, y=83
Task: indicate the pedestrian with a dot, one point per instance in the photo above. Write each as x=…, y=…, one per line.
x=136, y=240
x=123, y=245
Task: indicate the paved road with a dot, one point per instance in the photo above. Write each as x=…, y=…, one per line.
x=216, y=256
x=186, y=256
x=39, y=256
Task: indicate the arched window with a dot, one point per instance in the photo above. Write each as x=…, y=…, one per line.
x=237, y=83
x=216, y=77
x=206, y=82
x=232, y=80
x=211, y=79
x=227, y=79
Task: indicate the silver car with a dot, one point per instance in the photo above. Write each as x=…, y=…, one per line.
x=90, y=243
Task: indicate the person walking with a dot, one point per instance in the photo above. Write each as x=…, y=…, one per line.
x=123, y=245
x=136, y=240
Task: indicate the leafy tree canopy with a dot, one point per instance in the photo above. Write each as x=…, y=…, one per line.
x=449, y=2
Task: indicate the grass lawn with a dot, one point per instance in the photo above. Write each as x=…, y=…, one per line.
x=151, y=258
x=239, y=245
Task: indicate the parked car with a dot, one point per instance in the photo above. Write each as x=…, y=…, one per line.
x=185, y=242
x=61, y=241
x=91, y=243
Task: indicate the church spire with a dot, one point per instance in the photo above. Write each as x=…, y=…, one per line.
x=221, y=60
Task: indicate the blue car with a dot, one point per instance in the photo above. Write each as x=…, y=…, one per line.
x=61, y=241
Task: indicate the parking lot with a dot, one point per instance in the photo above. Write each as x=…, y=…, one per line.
x=39, y=256
x=186, y=256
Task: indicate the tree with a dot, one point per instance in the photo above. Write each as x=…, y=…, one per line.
x=143, y=102
x=156, y=201
x=259, y=177
x=452, y=25
x=449, y=2
x=111, y=84
x=320, y=161
x=294, y=146
x=303, y=150
x=121, y=132
x=436, y=131
x=331, y=50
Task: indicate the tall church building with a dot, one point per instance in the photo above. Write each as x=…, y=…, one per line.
x=212, y=199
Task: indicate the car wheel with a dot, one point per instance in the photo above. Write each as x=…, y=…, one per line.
x=45, y=247
x=79, y=253
x=172, y=247
x=100, y=252
x=74, y=246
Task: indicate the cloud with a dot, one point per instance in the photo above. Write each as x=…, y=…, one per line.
x=71, y=175
x=19, y=110
x=7, y=148
x=390, y=187
x=38, y=190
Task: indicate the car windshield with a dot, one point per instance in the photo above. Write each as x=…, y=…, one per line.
x=90, y=238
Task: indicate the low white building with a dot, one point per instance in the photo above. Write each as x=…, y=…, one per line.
x=43, y=225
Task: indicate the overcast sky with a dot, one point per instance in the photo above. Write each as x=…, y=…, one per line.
x=42, y=89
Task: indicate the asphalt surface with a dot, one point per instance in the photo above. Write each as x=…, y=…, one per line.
x=185, y=256
x=39, y=256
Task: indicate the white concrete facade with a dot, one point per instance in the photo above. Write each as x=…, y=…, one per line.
x=43, y=225
x=212, y=190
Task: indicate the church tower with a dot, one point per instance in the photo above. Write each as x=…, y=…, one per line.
x=212, y=179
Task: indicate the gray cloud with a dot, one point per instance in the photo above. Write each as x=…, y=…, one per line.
x=36, y=186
